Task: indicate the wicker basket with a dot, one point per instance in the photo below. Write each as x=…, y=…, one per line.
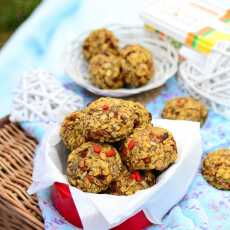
x=18, y=210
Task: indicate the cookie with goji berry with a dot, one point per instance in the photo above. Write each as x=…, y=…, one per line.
x=92, y=166
x=216, y=169
x=72, y=130
x=149, y=148
x=105, y=71
x=109, y=120
x=100, y=41
x=130, y=182
x=185, y=108
x=144, y=117
x=137, y=65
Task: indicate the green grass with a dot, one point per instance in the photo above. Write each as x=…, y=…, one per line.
x=12, y=14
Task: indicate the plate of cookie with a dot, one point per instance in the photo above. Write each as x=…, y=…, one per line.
x=117, y=161
x=120, y=61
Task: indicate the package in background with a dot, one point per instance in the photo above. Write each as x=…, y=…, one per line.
x=197, y=24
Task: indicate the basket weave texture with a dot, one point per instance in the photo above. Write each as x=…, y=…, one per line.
x=18, y=210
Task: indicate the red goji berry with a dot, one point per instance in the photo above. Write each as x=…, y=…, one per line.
x=105, y=107
x=136, y=176
x=131, y=144
x=133, y=176
x=110, y=153
x=96, y=148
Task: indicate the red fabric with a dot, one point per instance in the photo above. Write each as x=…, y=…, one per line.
x=63, y=202
x=136, y=222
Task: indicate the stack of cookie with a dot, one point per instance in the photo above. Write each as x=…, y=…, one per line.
x=111, y=67
x=114, y=148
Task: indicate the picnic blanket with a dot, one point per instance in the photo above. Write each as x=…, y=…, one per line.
x=40, y=42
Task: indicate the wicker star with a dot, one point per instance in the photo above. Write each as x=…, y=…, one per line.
x=211, y=83
x=39, y=97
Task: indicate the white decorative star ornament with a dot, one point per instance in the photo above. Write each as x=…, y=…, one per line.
x=39, y=97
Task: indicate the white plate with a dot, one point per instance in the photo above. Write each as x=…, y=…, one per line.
x=165, y=58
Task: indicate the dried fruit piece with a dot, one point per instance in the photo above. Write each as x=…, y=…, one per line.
x=105, y=107
x=136, y=176
x=83, y=154
x=165, y=136
x=123, y=150
x=96, y=148
x=111, y=153
x=131, y=144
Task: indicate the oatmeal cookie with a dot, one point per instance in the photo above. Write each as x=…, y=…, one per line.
x=72, y=130
x=185, y=108
x=149, y=148
x=216, y=169
x=92, y=167
x=143, y=115
x=105, y=71
x=100, y=41
x=109, y=120
x=137, y=65
x=130, y=182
